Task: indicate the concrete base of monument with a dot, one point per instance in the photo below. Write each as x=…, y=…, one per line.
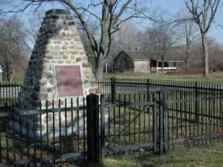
x=34, y=125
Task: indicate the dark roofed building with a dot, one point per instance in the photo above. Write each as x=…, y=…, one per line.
x=121, y=63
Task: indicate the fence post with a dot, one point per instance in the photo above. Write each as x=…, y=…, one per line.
x=113, y=90
x=161, y=129
x=196, y=102
x=148, y=89
x=94, y=151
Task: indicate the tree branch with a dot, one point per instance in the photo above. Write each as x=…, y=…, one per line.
x=18, y=10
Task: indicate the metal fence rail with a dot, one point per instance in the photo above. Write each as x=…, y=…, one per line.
x=129, y=123
x=137, y=86
x=195, y=113
x=8, y=94
x=79, y=129
x=126, y=117
x=51, y=134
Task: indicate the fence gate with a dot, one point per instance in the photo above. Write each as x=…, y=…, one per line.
x=134, y=122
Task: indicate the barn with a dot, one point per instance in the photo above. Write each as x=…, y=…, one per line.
x=121, y=63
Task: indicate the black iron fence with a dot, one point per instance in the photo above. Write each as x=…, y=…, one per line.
x=51, y=135
x=8, y=94
x=128, y=123
x=80, y=129
x=113, y=85
x=126, y=117
x=195, y=113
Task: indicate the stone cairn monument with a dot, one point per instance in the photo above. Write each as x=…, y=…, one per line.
x=58, y=69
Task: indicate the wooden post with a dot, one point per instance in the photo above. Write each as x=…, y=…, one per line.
x=160, y=130
x=94, y=151
x=113, y=90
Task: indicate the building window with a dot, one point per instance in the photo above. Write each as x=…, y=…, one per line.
x=166, y=64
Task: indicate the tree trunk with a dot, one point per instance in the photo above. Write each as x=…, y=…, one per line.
x=99, y=72
x=186, y=60
x=162, y=64
x=205, y=55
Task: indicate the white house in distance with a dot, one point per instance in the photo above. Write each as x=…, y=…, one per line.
x=155, y=65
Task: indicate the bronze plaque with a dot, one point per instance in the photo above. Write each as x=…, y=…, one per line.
x=69, y=81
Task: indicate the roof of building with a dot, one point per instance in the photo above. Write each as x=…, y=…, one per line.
x=57, y=11
x=174, y=55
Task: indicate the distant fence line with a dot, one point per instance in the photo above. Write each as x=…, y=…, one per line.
x=114, y=86
x=9, y=92
x=168, y=84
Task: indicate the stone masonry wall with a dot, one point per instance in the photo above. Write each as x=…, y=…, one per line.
x=58, y=43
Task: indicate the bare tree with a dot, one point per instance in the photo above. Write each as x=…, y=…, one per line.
x=190, y=36
x=127, y=38
x=215, y=52
x=203, y=13
x=159, y=39
x=12, y=45
x=188, y=33
x=215, y=55
x=107, y=14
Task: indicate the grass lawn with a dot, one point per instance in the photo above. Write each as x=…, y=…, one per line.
x=181, y=157
x=200, y=156
x=218, y=76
